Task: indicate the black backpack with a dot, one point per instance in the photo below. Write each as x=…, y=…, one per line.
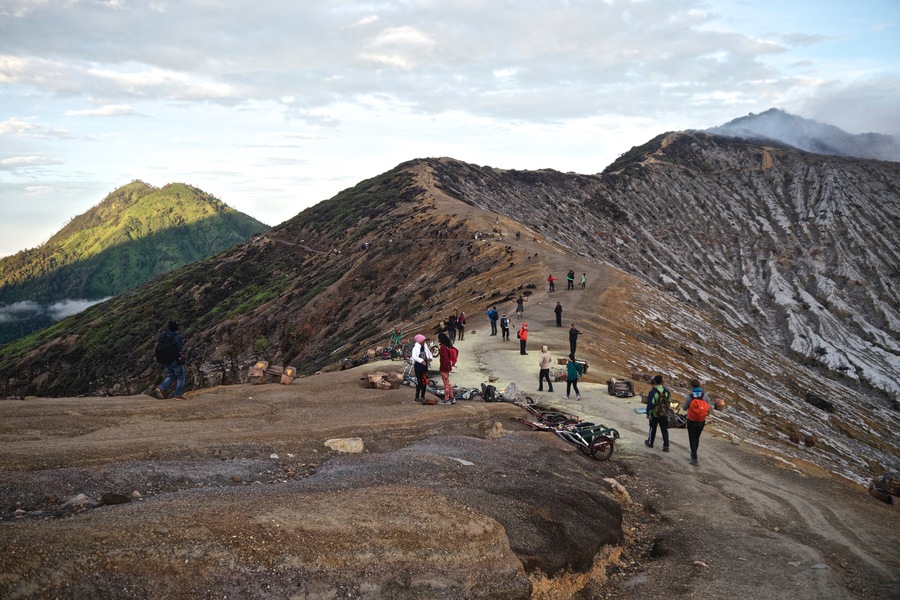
x=165, y=348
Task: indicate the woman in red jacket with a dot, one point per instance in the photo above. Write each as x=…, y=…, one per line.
x=523, y=338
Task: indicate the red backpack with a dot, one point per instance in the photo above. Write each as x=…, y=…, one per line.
x=698, y=409
x=454, y=354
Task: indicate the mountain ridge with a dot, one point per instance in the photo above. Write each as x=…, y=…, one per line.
x=739, y=262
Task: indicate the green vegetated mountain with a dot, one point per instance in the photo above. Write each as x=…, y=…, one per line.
x=136, y=233
x=766, y=270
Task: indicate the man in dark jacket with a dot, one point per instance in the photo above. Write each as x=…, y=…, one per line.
x=658, y=412
x=175, y=367
x=573, y=339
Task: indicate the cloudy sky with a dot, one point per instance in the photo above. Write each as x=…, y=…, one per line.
x=274, y=105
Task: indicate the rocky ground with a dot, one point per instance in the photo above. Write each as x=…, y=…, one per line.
x=234, y=493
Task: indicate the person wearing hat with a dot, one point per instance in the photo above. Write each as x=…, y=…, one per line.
x=173, y=360
x=523, y=338
x=504, y=327
x=421, y=357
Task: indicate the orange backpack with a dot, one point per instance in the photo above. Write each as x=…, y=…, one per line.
x=698, y=409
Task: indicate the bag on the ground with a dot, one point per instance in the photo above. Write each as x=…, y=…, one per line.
x=489, y=393
x=698, y=409
x=661, y=407
x=165, y=348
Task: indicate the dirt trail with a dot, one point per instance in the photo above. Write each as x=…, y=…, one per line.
x=745, y=523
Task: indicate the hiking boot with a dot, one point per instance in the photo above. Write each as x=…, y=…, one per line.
x=566, y=397
x=665, y=448
x=648, y=444
x=447, y=402
x=695, y=462
x=179, y=397
x=549, y=389
x=159, y=394
x=578, y=397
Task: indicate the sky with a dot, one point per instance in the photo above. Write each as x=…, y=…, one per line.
x=274, y=105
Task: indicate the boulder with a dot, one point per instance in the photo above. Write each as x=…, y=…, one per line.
x=345, y=445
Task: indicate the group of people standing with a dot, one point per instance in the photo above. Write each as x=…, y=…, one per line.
x=658, y=406
x=570, y=281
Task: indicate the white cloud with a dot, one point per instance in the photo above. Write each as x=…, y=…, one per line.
x=276, y=105
x=110, y=110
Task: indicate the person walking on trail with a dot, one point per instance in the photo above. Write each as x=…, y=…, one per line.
x=658, y=412
x=396, y=337
x=558, y=311
x=421, y=357
x=570, y=280
x=504, y=327
x=520, y=306
x=546, y=361
x=573, y=372
x=493, y=317
x=447, y=354
x=170, y=354
x=551, y=281
x=583, y=280
x=697, y=407
x=461, y=326
x=573, y=339
x=523, y=338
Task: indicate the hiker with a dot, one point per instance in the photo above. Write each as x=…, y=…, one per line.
x=447, y=354
x=546, y=361
x=504, y=327
x=174, y=362
x=573, y=339
x=697, y=407
x=558, y=311
x=522, y=334
x=551, y=280
x=493, y=316
x=583, y=280
x=421, y=357
x=573, y=372
x=658, y=412
x=396, y=337
x=570, y=280
x=520, y=306
x=450, y=327
x=461, y=326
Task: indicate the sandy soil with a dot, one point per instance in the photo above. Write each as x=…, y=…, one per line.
x=227, y=481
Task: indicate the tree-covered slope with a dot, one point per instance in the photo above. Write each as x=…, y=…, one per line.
x=136, y=233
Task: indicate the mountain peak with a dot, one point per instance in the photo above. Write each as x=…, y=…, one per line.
x=812, y=136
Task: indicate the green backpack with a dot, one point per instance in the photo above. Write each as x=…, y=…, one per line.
x=661, y=406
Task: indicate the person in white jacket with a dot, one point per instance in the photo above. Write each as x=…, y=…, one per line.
x=421, y=357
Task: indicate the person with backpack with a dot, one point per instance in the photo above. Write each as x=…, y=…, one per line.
x=583, y=280
x=570, y=280
x=450, y=327
x=658, y=412
x=520, y=306
x=573, y=372
x=546, y=361
x=448, y=355
x=504, y=327
x=169, y=353
x=421, y=357
x=552, y=281
x=461, y=326
x=697, y=407
x=493, y=316
x=558, y=311
x=522, y=334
